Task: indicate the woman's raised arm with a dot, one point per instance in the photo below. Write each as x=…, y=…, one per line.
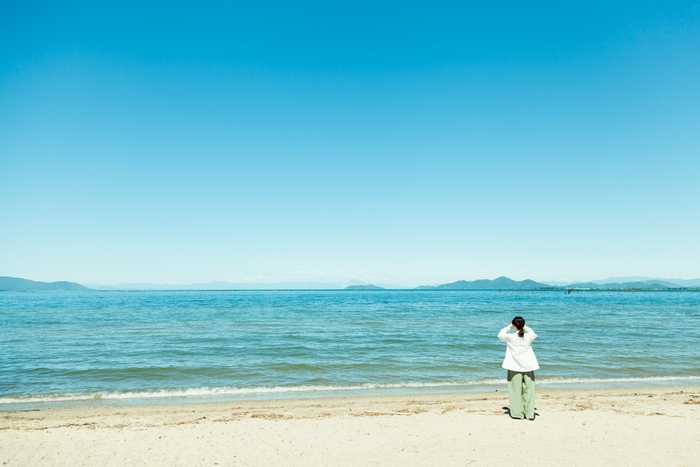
x=503, y=335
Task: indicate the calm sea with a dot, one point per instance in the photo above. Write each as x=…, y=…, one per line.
x=131, y=347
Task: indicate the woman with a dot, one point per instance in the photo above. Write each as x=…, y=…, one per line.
x=521, y=364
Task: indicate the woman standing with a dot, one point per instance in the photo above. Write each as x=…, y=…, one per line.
x=521, y=364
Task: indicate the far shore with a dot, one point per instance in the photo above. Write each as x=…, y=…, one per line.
x=640, y=426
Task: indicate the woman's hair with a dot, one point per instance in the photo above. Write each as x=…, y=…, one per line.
x=519, y=324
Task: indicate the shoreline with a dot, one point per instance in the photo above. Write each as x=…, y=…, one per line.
x=298, y=405
x=583, y=426
x=206, y=395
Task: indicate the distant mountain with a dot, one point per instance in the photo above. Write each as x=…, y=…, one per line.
x=631, y=282
x=673, y=283
x=646, y=285
x=686, y=282
x=501, y=283
x=385, y=285
x=641, y=280
x=15, y=284
x=364, y=287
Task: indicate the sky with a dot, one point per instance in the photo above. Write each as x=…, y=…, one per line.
x=387, y=142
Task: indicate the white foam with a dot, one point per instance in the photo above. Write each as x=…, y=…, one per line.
x=262, y=390
x=555, y=380
x=230, y=391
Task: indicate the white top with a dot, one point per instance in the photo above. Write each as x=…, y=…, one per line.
x=519, y=354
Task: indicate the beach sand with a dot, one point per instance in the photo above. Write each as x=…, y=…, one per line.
x=657, y=426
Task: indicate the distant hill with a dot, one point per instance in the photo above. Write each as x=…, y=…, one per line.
x=650, y=280
x=501, y=283
x=683, y=282
x=364, y=287
x=15, y=284
x=631, y=282
x=639, y=285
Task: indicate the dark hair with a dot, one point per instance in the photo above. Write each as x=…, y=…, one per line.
x=519, y=324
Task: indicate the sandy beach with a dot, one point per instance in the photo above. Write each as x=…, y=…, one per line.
x=630, y=426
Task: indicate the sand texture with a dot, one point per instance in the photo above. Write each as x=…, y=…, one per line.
x=586, y=427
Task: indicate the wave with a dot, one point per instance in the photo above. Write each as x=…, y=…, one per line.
x=242, y=392
x=556, y=380
x=231, y=391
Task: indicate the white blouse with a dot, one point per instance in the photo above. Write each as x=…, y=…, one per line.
x=519, y=353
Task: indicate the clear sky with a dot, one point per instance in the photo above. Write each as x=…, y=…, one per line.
x=392, y=142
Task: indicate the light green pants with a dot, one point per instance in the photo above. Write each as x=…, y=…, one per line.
x=521, y=393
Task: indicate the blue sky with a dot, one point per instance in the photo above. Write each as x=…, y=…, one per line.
x=405, y=144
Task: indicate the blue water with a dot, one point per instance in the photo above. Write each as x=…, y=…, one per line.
x=143, y=345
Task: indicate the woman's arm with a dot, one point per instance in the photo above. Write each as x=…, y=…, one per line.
x=503, y=335
x=529, y=333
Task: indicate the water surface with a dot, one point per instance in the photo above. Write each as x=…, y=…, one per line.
x=139, y=345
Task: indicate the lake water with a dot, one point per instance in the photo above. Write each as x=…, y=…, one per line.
x=131, y=347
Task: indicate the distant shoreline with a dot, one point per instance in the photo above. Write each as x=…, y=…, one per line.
x=431, y=290
x=500, y=284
